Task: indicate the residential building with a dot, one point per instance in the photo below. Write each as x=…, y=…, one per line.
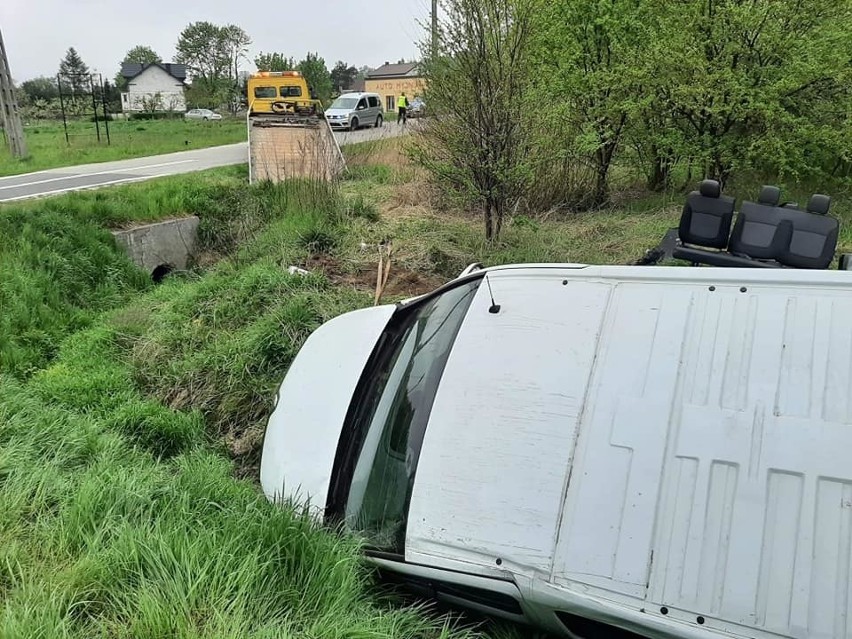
x=154, y=87
x=392, y=80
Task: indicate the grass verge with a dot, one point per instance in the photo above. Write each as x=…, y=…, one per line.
x=128, y=139
x=120, y=435
x=122, y=517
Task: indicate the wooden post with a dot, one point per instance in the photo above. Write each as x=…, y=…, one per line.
x=11, y=118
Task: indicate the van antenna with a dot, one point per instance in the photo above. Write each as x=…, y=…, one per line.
x=495, y=308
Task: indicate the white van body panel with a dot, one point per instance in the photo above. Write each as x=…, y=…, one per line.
x=504, y=423
x=670, y=446
x=304, y=429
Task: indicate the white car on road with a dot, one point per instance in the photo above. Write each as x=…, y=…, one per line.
x=202, y=114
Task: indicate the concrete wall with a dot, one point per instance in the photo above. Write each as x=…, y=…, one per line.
x=147, y=85
x=162, y=244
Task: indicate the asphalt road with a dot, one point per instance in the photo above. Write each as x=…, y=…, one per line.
x=88, y=176
x=388, y=130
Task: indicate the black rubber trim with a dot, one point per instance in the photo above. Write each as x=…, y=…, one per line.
x=719, y=259
x=436, y=589
x=584, y=627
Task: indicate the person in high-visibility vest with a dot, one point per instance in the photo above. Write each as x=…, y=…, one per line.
x=402, y=107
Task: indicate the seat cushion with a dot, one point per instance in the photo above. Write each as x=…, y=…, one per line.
x=706, y=221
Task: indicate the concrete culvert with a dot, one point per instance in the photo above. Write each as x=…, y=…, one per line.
x=159, y=273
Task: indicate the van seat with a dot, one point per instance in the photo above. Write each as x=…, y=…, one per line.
x=707, y=215
x=760, y=232
x=769, y=195
x=813, y=240
x=819, y=204
x=764, y=235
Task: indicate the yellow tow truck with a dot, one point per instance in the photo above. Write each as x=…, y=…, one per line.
x=283, y=95
x=288, y=135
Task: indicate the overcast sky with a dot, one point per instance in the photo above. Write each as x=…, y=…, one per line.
x=360, y=32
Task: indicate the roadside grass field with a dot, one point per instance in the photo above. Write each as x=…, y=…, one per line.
x=129, y=139
x=132, y=414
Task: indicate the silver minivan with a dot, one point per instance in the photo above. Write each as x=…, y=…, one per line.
x=354, y=110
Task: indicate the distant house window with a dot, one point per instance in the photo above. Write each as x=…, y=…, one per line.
x=291, y=92
x=390, y=102
x=265, y=92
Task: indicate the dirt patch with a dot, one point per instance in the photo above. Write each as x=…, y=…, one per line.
x=402, y=283
x=388, y=151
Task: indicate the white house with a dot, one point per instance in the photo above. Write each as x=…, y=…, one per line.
x=154, y=87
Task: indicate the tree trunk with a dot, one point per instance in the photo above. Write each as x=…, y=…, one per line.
x=721, y=170
x=498, y=214
x=489, y=222
x=661, y=170
x=603, y=156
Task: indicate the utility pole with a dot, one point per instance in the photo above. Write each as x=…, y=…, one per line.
x=11, y=118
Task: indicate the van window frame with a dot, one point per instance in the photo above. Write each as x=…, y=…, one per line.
x=284, y=91
x=354, y=428
x=267, y=88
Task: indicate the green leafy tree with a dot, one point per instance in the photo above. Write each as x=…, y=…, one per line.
x=317, y=76
x=235, y=42
x=74, y=71
x=212, y=55
x=591, y=70
x=41, y=88
x=343, y=76
x=139, y=54
x=762, y=85
x=199, y=47
x=142, y=55
x=274, y=62
x=478, y=79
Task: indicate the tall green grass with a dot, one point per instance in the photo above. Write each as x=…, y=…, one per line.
x=58, y=273
x=60, y=266
x=121, y=517
x=100, y=539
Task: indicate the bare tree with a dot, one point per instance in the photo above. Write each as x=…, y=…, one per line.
x=476, y=140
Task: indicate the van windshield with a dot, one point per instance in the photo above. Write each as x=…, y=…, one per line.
x=344, y=103
x=391, y=420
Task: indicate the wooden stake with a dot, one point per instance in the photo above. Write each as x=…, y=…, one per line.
x=382, y=274
x=9, y=115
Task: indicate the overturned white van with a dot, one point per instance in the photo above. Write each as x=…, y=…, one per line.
x=666, y=451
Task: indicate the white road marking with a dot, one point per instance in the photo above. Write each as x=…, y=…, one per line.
x=72, y=176
x=83, y=187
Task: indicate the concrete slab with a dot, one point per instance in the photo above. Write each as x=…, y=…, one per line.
x=162, y=246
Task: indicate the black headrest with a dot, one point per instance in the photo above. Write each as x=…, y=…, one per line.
x=710, y=188
x=769, y=195
x=819, y=204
